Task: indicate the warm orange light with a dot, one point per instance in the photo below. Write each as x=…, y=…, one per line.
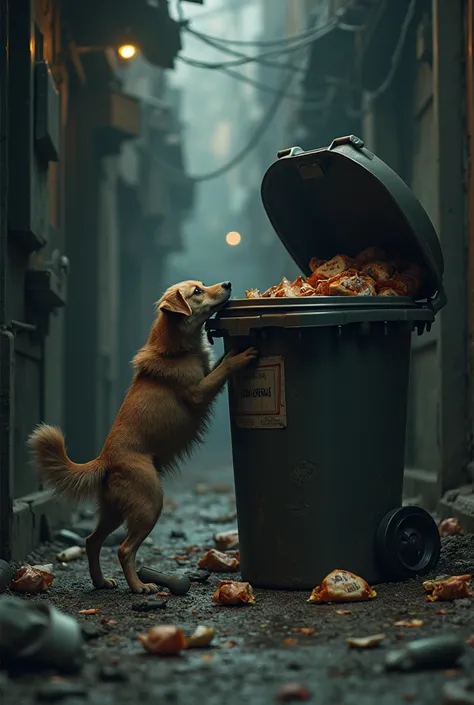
x=127, y=51
x=233, y=238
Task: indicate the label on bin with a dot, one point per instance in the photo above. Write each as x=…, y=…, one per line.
x=259, y=395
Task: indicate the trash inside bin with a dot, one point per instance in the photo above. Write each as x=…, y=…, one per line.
x=318, y=425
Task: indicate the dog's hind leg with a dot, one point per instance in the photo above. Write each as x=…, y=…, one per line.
x=142, y=513
x=109, y=520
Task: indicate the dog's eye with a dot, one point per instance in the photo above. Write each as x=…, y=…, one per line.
x=197, y=291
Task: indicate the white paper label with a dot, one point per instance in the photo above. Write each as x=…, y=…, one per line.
x=259, y=395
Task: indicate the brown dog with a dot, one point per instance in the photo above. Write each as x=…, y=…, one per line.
x=165, y=412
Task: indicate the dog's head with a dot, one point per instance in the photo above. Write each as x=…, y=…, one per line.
x=194, y=302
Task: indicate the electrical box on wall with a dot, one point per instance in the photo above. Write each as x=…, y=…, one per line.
x=33, y=139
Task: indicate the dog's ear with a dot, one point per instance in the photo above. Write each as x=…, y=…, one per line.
x=176, y=303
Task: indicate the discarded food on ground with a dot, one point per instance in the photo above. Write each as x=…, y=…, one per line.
x=163, y=639
x=409, y=623
x=32, y=579
x=289, y=642
x=343, y=611
x=292, y=691
x=307, y=631
x=218, y=562
x=453, y=588
x=89, y=612
x=342, y=586
x=232, y=593
x=432, y=652
x=202, y=636
x=70, y=554
x=450, y=527
x=370, y=273
x=365, y=642
x=226, y=540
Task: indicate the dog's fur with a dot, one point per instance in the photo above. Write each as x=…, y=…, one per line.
x=163, y=415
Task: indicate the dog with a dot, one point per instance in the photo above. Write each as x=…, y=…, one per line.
x=164, y=414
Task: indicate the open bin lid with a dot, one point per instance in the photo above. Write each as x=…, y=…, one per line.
x=342, y=199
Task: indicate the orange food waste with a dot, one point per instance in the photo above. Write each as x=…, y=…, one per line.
x=163, y=639
x=450, y=527
x=342, y=586
x=218, y=562
x=233, y=593
x=31, y=579
x=454, y=588
x=370, y=273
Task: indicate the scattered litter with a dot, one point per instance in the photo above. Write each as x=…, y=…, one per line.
x=226, y=540
x=149, y=605
x=178, y=534
x=232, y=593
x=433, y=652
x=409, y=623
x=289, y=642
x=32, y=579
x=307, y=631
x=218, y=518
x=450, y=527
x=59, y=690
x=229, y=644
x=454, y=588
x=177, y=584
x=199, y=576
x=460, y=692
x=38, y=634
x=365, y=642
x=343, y=611
x=442, y=611
x=108, y=622
x=89, y=612
x=292, y=691
x=113, y=674
x=342, y=586
x=202, y=636
x=5, y=575
x=163, y=640
x=69, y=538
x=70, y=554
x=218, y=562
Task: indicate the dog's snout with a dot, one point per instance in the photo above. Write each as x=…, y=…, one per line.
x=227, y=286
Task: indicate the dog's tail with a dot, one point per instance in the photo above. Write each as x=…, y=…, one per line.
x=72, y=480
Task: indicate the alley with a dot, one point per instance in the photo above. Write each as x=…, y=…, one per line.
x=257, y=649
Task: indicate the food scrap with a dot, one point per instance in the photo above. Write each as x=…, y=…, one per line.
x=32, y=578
x=342, y=586
x=365, y=642
x=202, y=636
x=450, y=527
x=232, y=593
x=289, y=642
x=163, y=640
x=453, y=588
x=307, y=631
x=218, y=562
x=370, y=273
x=226, y=540
x=343, y=611
x=292, y=691
x=89, y=612
x=409, y=623
x=70, y=554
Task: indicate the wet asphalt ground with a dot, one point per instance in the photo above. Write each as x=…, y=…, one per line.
x=256, y=648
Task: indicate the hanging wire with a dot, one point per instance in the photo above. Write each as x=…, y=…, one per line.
x=394, y=64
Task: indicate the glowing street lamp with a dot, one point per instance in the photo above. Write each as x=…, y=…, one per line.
x=233, y=238
x=127, y=51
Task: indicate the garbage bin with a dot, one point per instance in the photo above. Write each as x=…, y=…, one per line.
x=318, y=426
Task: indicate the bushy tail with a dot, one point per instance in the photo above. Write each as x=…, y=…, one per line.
x=73, y=480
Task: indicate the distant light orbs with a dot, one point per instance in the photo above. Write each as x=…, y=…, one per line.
x=127, y=51
x=233, y=238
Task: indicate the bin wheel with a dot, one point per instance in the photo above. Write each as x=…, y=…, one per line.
x=408, y=542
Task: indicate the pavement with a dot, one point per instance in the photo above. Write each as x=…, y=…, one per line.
x=257, y=649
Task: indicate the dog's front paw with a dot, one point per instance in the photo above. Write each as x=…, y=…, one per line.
x=106, y=584
x=144, y=588
x=239, y=360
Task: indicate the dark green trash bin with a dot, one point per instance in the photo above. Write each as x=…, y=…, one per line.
x=318, y=427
